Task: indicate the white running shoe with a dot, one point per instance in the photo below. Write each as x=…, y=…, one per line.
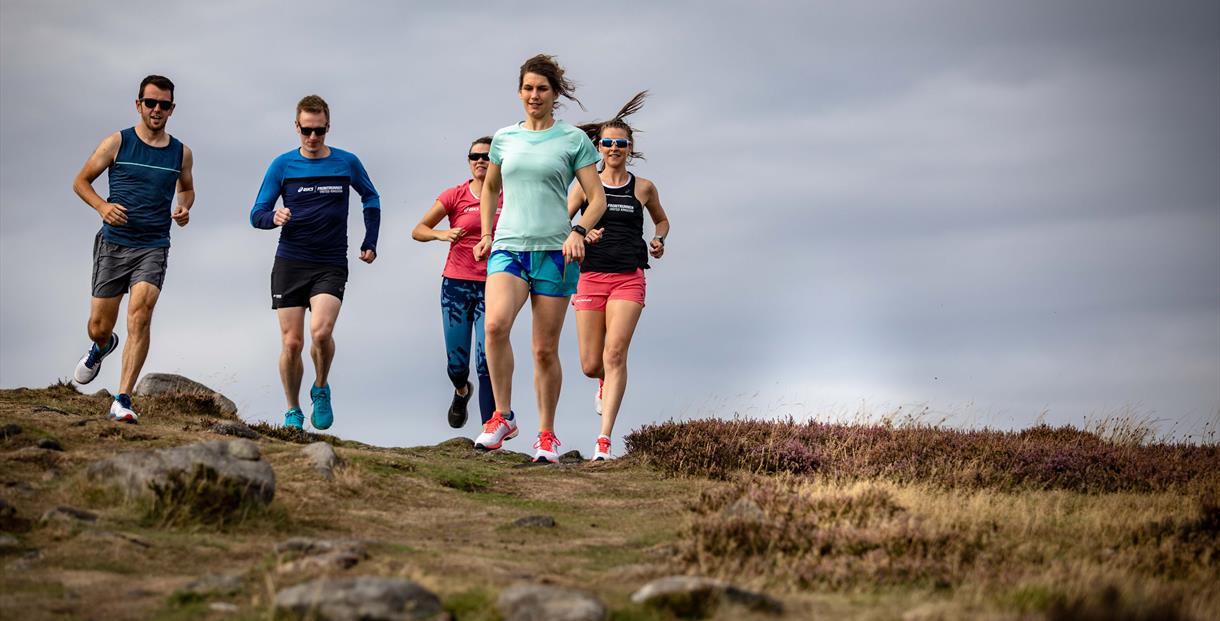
x=546, y=444
x=602, y=451
x=91, y=364
x=597, y=399
x=496, y=430
x=120, y=410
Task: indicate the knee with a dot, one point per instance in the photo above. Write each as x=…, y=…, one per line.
x=293, y=344
x=614, y=356
x=322, y=333
x=546, y=354
x=591, y=368
x=497, y=330
x=96, y=328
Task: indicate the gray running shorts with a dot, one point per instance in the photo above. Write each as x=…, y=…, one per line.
x=116, y=268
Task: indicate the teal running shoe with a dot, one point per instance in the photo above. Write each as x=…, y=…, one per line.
x=322, y=415
x=294, y=418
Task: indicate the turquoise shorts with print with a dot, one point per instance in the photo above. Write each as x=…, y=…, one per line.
x=543, y=270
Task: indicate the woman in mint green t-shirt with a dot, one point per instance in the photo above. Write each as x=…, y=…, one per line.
x=535, y=248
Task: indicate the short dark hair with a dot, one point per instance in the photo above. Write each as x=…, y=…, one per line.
x=480, y=140
x=158, y=81
x=314, y=104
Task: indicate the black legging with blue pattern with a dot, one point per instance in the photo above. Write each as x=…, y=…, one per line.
x=462, y=313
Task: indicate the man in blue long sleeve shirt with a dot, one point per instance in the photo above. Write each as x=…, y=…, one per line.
x=310, y=270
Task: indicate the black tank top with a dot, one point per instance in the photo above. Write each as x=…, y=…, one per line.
x=621, y=248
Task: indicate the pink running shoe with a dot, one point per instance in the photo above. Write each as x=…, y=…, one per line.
x=546, y=444
x=496, y=430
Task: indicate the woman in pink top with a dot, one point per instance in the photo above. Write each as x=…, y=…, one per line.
x=462, y=283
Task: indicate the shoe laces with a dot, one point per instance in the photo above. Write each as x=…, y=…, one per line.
x=95, y=354
x=547, y=441
x=603, y=445
x=496, y=420
x=601, y=384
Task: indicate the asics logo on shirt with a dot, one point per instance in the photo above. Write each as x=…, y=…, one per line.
x=322, y=189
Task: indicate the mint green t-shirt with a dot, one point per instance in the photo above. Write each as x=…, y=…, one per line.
x=537, y=167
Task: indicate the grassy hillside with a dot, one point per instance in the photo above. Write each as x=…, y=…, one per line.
x=835, y=521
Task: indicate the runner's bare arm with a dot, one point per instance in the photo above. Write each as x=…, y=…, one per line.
x=426, y=229
x=574, y=247
x=489, y=199
x=652, y=202
x=186, y=188
x=101, y=159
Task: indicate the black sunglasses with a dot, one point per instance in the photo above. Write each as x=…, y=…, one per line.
x=474, y=157
x=151, y=103
x=309, y=131
x=621, y=143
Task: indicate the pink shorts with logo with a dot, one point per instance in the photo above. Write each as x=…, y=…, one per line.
x=595, y=288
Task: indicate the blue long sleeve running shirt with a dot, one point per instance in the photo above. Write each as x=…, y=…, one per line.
x=316, y=191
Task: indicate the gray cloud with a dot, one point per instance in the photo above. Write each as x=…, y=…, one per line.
x=989, y=208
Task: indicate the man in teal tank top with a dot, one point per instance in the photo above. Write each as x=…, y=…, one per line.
x=130, y=253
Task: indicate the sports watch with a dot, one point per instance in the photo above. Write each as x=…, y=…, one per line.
x=576, y=228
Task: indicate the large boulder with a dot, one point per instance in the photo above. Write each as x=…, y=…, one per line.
x=211, y=479
x=541, y=602
x=168, y=385
x=365, y=598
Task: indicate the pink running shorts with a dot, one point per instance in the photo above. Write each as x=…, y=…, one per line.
x=596, y=288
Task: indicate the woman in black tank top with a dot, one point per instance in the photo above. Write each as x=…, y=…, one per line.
x=610, y=296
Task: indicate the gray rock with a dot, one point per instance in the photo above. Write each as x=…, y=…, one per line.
x=303, y=555
x=459, y=442
x=213, y=585
x=696, y=596
x=535, y=521
x=239, y=430
x=745, y=510
x=168, y=384
x=9, y=544
x=9, y=431
x=571, y=457
x=50, y=444
x=103, y=393
x=237, y=467
x=359, y=599
x=67, y=514
x=540, y=602
x=323, y=458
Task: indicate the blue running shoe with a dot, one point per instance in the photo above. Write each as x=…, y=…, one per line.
x=322, y=415
x=294, y=418
x=91, y=364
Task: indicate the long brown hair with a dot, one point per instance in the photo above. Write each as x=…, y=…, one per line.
x=594, y=130
x=546, y=66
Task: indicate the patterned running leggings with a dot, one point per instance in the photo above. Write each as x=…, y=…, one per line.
x=462, y=312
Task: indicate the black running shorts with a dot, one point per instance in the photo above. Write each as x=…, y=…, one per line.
x=293, y=283
x=116, y=268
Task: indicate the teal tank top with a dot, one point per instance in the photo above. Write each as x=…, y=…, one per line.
x=143, y=180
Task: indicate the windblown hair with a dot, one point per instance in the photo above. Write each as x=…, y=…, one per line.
x=594, y=130
x=480, y=140
x=314, y=104
x=545, y=66
x=158, y=81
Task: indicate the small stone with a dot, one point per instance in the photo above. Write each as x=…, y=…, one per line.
x=528, y=602
x=745, y=510
x=20, y=487
x=9, y=431
x=9, y=544
x=50, y=444
x=696, y=596
x=323, y=458
x=365, y=599
x=213, y=585
x=68, y=514
x=458, y=442
x=223, y=607
x=245, y=449
x=239, y=430
x=571, y=457
x=535, y=521
x=304, y=555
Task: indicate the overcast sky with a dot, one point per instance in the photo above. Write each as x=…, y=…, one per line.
x=992, y=210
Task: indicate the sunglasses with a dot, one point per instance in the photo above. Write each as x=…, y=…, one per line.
x=621, y=143
x=151, y=103
x=309, y=131
x=474, y=157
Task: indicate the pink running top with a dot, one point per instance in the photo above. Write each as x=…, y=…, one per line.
x=462, y=207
